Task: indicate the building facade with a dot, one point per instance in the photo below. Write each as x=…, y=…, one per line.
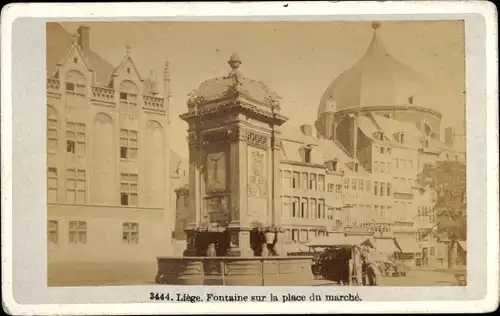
x=375, y=132
x=108, y=151
x=379, y=110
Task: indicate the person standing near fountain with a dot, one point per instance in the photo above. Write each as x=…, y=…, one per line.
x=211, y=250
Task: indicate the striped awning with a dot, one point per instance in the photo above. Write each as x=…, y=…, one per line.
x=408, y=245
x=463, y=244
x=385, y=245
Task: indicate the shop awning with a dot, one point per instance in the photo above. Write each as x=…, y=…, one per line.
x=463, y=244
x=385, y=245
x=337, y=240
x=408, y=245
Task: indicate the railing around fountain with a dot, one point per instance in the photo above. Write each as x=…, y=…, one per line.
x=256, y=271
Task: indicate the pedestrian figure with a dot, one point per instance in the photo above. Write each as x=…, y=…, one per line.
x=211, y=251
x=370, y=267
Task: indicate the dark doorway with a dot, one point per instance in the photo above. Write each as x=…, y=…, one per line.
x=205, y=238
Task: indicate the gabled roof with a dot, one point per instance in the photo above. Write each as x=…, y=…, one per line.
x=74, y=48
x=122, y=65
x=59, y=44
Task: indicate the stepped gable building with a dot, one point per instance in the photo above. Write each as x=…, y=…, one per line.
x=380, y=112
x=108, y=156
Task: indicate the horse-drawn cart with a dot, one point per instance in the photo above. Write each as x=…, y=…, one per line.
x=340, y=259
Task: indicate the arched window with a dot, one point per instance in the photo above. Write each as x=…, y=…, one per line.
x=128, y=92
x=75, y=83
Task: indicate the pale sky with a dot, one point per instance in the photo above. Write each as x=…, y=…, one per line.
x=297, y=60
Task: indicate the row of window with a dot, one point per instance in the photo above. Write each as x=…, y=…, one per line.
x=383, y=149
x=80, y=89
x=405, y=164
x=337, y=188
x=404, y=210
x=296, y=207
x=76, y=187
x=426, y=214
x=379, y=188
x=77, y=232
x=368, y=214
x=404, y=185
x=303, y=235
x=76, y=139
x=302, y=180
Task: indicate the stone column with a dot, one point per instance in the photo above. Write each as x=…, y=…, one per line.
x=276, y=192
x=193, y=217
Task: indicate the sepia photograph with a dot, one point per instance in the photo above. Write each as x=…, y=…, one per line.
x=163, y=158
x=256, y=153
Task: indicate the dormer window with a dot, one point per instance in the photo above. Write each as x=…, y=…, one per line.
x=378, y=136
x=356, y=166
x=427, y=129
x=400, y=137
x=332, y=165
x=75, y=83
x=307, y=155
x=128, y=92
x=411, y=99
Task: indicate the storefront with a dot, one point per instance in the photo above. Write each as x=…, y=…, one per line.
x=410, y=251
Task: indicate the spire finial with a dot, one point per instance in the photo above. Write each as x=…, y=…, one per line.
x=375, y=25
x=128, y=48
x=166, y=81
x=166, y=71
x=75, y=36
x=234, y=61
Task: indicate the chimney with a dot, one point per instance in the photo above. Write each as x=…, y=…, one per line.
x=449, y=137
x=306, y=129
x=84, y=39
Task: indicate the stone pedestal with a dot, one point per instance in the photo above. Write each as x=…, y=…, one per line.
x=240, y=244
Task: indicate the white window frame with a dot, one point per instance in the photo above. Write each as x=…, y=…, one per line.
x=130, y=233
x=77, y=232
x=130, y=188
x=129, y=144
x=79, y=178
x=75, y=136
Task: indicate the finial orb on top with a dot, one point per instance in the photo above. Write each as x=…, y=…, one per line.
x=375, y=25
x=76, y=37
x=234, y=61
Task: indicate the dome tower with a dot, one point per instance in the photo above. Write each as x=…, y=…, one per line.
x=377, y=84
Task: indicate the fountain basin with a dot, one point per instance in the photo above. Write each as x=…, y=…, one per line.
x=255, y=271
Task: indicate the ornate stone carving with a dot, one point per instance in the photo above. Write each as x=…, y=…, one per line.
x=218, y=136
x=192, y=140
x=256, y=180
x=216, y=172
x=217, y=210
x=254, y=138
